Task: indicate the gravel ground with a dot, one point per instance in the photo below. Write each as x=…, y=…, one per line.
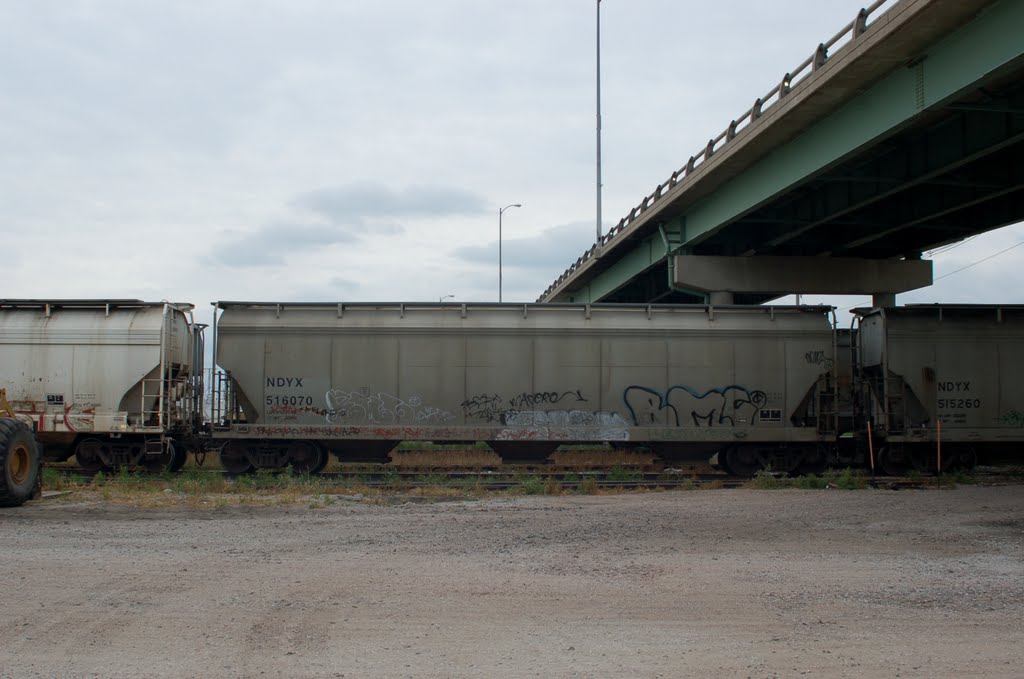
x=724, y=583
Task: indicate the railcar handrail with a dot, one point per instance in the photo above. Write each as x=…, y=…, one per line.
x=850, y=33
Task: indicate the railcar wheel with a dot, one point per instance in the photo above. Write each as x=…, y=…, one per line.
x=88, y=454
x=234, y=460
x=19, y=463
x=890, y=461
x=925, y=460
x=743, y=461
x=966, y=458
x=814, y=462
x=172, y=458
x=723, y=460
x=178, y=458
x=305, y=457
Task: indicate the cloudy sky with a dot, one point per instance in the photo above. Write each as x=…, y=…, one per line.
x=359, y=151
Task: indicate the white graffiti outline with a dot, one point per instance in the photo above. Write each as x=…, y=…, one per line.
x=355, y=407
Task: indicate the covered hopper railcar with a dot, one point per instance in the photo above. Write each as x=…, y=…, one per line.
x=119, y=382
x=941, y=384
x=113, y=382
x=755, y=384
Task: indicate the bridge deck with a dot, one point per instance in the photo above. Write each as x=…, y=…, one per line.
x=909, y=136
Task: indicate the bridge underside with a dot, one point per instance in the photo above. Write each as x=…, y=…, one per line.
x=924, y=153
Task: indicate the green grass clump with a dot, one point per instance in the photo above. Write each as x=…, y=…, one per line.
x=433, y=480
x=553, y=487
x=621, y=474
x=846, y=479
x=811, y=482
x=531, y=485
x=765, y=480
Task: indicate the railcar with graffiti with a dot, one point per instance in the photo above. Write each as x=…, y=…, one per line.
x=751, y=384
x=119, y=382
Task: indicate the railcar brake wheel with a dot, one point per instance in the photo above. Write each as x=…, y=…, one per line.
x=19, y=463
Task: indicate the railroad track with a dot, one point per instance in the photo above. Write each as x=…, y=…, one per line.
x=545, y=480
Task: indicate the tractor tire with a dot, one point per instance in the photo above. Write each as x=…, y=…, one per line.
x=20, y=464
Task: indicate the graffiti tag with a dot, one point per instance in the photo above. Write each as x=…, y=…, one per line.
x=819, y=358
x=1014, y=418
x=351, y=407
x=493, y=408
x=722, y=405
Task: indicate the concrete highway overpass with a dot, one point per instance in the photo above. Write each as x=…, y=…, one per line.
x=902, y=133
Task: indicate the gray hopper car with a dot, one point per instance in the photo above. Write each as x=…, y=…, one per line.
x=941, y=384
x=302, y=380
x=113, y=382
x=119, y=382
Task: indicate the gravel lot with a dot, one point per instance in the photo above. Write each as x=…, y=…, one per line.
x=734, y=583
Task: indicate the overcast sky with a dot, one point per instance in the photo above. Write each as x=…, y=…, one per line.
x=334, y=150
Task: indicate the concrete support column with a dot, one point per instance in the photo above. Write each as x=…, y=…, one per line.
x=883, y=299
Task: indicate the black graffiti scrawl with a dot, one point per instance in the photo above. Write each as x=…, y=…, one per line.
x=724, y=406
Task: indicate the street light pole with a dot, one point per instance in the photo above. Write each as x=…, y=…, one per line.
x=501, y=212
x=598, y=241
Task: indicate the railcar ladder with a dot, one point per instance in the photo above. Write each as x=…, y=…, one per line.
x=827, y=406
x=224, y=407
x=895, y=404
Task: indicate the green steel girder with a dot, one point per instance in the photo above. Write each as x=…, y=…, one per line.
x=964, y=157
x=956, y=65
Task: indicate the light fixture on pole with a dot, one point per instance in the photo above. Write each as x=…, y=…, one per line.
x=501, y=212
x=442, y=299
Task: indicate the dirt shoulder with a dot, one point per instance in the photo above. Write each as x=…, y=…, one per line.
x=738, y=583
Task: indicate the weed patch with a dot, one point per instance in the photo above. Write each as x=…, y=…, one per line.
x=531, y=485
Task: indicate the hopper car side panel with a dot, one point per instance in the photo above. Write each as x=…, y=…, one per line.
x=104, y=369
x=943, y=383
x=523, y=374
x=957, y=365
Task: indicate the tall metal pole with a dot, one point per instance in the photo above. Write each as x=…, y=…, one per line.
x=501, y=212
x=598, y=241
x=499, y=254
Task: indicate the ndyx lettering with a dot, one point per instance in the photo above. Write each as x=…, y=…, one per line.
x=284, y=381
x=955, y=386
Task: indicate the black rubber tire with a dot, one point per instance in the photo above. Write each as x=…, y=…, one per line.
x=20, y=464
